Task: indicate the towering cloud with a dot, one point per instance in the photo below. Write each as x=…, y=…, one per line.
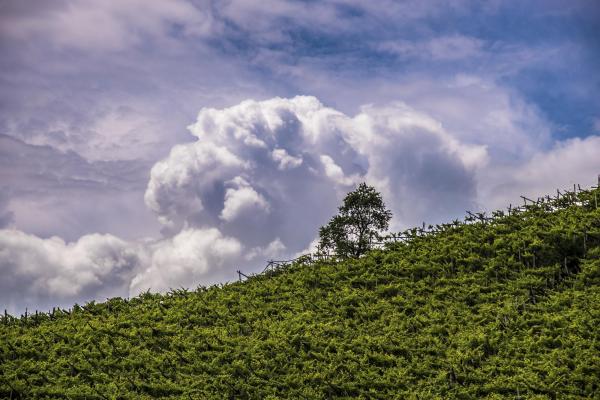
x=281, y=165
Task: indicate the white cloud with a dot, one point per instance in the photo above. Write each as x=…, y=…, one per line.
x=394, y=147
x=441, y=48
x=190, y=258
x=335, y=172
x=574, y=161
x=240, y=199
x=285, y=160
x=422, y=170
x=189, y=169
x=263, y=20
x=274, y=250
x=454, y=47
x=109, y=25
x=50, y=272
x=475, y=109
x=35, y=270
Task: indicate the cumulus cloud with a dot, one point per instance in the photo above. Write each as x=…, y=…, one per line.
x=191, y=257
x=573, y=161
x=424, y=172
x=49, y=271
x=191, y=170
x=335, y=172
x=285, y=160
x=475, y=109
x=240, y=199
x=280, y=151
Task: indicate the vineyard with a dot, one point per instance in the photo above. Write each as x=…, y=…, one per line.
x=492, y=307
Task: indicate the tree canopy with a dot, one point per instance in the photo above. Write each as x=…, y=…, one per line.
x=361, y=219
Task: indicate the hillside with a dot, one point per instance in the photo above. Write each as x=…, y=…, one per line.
x=505, y=307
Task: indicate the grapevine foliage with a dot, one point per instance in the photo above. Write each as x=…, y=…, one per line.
x=505, y=307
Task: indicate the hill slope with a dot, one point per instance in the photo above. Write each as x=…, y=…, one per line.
x=502, y=308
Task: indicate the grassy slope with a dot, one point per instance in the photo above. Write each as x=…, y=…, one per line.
x=466, y=313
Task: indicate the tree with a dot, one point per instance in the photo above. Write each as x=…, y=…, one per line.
x=361, y=218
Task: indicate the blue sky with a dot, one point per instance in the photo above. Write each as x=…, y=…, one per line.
x=148, y=145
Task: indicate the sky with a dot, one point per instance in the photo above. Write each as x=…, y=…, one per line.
x=167, y=144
